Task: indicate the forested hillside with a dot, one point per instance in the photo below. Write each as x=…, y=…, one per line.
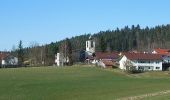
x=125, y=39
x=128, y=38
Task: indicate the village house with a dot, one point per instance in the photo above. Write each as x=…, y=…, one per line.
x=7, y=60
x=106, y=59
x=165, y=56
x=142, y=61
x=60, y=60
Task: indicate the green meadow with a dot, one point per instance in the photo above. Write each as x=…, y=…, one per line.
x=80, y=83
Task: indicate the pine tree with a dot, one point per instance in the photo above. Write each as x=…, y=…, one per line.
x=20, y=54
x=103, y=44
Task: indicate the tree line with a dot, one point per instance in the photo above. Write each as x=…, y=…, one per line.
x=124, y=39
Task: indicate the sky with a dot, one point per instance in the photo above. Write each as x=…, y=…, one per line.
x=46, y=21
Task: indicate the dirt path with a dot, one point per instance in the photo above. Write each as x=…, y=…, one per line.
x=145, y=95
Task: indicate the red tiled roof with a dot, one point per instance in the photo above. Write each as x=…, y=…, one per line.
x=107, y=55
x=162, y=51
x=142, y=56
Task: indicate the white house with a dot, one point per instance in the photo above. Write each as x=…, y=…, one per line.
x=60, y=60
x=146, y=62
x=9, y=60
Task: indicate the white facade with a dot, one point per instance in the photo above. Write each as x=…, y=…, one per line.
x=10, y=61
x=3, y=62
x=60, y=59
x=101, y=64
x=90, y=46
x=57, y=59
x=146, y=65
x=122, y=63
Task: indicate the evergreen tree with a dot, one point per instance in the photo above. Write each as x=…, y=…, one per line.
x=103, y=44
x=20, y=54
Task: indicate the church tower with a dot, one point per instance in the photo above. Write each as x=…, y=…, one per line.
x=90, y=46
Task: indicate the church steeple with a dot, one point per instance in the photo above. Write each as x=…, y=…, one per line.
x=90, y=46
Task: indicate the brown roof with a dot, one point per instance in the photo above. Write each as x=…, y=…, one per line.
x=3, y=55
x=143, y=56
x=107, y=55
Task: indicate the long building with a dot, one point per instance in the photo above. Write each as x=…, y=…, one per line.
x=142, y=61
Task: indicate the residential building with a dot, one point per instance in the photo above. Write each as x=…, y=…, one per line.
x=142, y=61
x=165, y=56
x=60, y=60
x=7, y=60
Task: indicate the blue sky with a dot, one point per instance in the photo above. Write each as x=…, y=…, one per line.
x=46, y=21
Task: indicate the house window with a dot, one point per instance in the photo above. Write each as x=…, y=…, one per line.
x=141, y=68
x=149, y=67
x=157, y=67
x=142, y=61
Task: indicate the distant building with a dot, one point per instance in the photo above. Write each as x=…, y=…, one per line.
x=161, y=51
x=60, y=60
x=165, y=56
x=90, y=47
x=141, y=61
x=10, y=61
x=106, y=59
x=7, y=60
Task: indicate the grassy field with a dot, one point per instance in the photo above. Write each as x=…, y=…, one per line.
x=79, y=83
